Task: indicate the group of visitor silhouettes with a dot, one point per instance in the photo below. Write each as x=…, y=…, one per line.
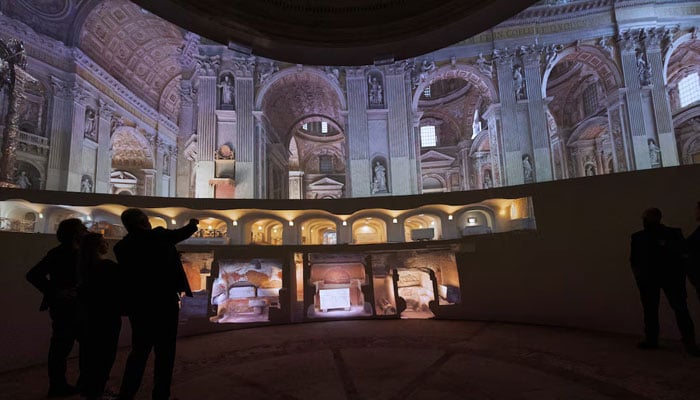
x=85, y=295
x=83, y=292
x=661, y=260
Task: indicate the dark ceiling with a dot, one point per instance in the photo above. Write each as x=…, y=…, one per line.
x=336, y=32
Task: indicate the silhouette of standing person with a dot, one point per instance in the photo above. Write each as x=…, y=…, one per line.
x=99, y=298
x=693, y=246
x=56, y=277
x=657, y=263
x=155, y=279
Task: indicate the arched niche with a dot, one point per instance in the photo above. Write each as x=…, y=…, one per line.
x=319, y=231
x=266, y=231
x=211, y=228
x=475, y=221
x=422, y=227
x=369, y=230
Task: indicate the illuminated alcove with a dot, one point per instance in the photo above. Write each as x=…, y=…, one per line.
x=319, y=231
x=369, y=230
x=265, y=231
x=422, y=227
x=211, y=228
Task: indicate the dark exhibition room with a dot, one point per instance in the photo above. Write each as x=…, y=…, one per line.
x=350, y=199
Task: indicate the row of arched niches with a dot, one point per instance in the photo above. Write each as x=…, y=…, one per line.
x=251, y=266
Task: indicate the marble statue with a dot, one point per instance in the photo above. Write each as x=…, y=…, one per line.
x=484, y=66
x=86, y=184
x=527, y=169
x=518, y=82
x=89, y=129
x=654, y=154
x=23, y=181
x=643, y=69
x=226, y=87
x=379, y=181
x=589, y=170
x=376, y=93
x=426, y=68
x=488, y=182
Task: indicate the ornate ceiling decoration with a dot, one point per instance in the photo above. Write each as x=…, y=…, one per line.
x=297, y=96
x=339, y=32
x=138, y=49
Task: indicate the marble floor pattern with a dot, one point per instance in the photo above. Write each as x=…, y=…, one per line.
x=398, y=359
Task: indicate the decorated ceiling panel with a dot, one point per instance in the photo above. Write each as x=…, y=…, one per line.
x=137, y=48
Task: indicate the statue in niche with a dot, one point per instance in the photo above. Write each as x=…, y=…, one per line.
x=518, y=82
x=484, y=66
x=643, y=69
x=23, y=181
x=166, y=164
x=589, y=170
x=86, y=184
x=604, y=43
x=379, y=181
x=226, y=86
x=488, y=182
x=527, y=169
x=376, y=92
x=654, y=154
x=89, y=129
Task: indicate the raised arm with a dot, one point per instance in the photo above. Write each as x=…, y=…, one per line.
x=178, y=235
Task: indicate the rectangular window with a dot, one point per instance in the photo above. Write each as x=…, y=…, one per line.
x=428, y=137
x=426, y=92
x=325, y=164
x=689, y=90
x=324, y=127
x=590, y=100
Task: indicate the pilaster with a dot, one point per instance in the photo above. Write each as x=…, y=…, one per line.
x=61, y=111
x=246, y=176
x=359, y=172
x=512, y=154
x=399, y=171
x=104, y=162
x=80, y=96
x=538, y=119
x=206, y=126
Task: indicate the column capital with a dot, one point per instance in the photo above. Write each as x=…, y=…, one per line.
x=208, y=65
x=244, y=67
x=60, y=88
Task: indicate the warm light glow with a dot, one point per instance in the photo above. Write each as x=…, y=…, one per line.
x=502, y=212
x=345, y=223
x=41, y=215
x=209, y=227
x=449, y=217
x=291, y=223
x=235, y=222
x=471, y=221
x=173, y=221
x=395, y=220
x=302, y=228
x=259, y=227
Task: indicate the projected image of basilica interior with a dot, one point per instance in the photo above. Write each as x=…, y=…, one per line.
x=111, y=99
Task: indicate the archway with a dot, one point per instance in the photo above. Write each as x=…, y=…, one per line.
x=302, y=117
x=369, y=230
x=422, y=227
x=683, y=80
x=132, y=163
x=451, y=102
x=319, y=231
x=580, y=85
x=265, y=231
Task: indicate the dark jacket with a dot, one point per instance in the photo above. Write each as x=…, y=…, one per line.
x=153, y=272
x=657, y=252
x=54, y=274
x=693, y=247
x=102, y=289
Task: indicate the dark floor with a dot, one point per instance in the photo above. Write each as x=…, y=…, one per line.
x=411, y=360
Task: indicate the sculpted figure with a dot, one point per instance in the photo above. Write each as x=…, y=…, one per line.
x=226, y=87
x=379, y=182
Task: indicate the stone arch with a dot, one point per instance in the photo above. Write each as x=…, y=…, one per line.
x=433, y=183
x=281, y=75
x=589, y=129
x=130, y=149
x=469, y=73
x=453, y=125
x=594, y=58
x=687, y=42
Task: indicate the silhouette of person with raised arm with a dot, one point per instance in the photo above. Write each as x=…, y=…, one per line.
x=155, y=280
x=657, y=263
x=693, y=246
x=56, y=277
x=99, y=295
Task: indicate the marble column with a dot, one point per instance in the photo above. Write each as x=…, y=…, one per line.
x=463, y=148
x=359, y=176
x=206, y=133
x=246, y=175
x=76, y=138
x=159, y=154
x=60, y=111
x=400, y=179
x=538, y=119
x=296, y=179
x=103, y=166
x=187, y=123
x=512, y=154
x=630, y=49
x=493, y=118
x=149, y=187
x=661, y=102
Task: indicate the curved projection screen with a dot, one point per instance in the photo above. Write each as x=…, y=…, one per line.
x=127, y=103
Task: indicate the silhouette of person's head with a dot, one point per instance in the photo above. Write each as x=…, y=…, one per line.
x=135, y=220
x=697, y=211
x=70, y=231
x=651, y=217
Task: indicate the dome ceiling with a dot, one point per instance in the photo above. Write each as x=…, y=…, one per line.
x=337, y=32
